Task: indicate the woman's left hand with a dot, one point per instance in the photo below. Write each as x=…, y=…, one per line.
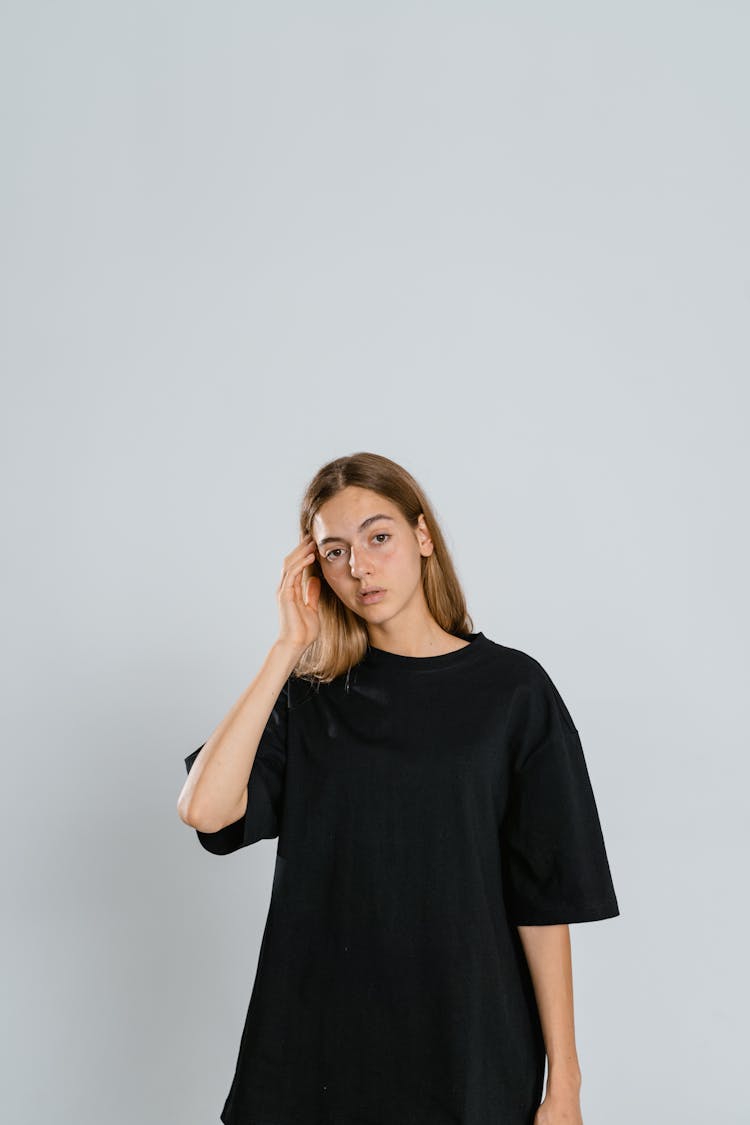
x=559, y=1108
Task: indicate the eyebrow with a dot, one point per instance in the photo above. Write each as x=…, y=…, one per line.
x=362, y=526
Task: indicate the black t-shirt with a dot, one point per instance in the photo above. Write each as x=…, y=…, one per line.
x=425, y=807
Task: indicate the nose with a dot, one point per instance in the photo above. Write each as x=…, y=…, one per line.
x=358, y=563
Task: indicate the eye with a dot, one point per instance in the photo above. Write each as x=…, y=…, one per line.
x=336, y=552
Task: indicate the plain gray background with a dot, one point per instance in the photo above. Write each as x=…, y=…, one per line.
x=505, y=245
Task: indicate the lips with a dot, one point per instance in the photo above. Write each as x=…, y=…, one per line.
x=374, y=594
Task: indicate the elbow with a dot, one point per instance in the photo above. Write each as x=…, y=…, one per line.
x=184, y=811
x=202, y=820
x=189, y=813
x=188, y=810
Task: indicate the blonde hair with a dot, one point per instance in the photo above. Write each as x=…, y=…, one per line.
x=343, y=638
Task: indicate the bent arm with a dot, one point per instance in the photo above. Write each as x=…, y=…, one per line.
x=215, y=792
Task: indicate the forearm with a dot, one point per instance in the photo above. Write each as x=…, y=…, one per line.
x=215, y=791
x=548, y=954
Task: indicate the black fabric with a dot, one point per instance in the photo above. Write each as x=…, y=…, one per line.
x=425, y=807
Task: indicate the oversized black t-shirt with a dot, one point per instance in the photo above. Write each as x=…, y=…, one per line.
x=424, y=807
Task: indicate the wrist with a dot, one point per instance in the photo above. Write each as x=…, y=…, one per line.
x=564, y=1076
x=287, y=652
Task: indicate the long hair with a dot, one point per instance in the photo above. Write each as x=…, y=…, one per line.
x=343, y=638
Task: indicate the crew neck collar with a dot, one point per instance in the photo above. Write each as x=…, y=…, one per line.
x=381, y=658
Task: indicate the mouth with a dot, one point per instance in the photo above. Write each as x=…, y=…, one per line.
x=374, y=594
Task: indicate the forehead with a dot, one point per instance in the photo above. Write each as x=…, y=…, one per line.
x=345, y=512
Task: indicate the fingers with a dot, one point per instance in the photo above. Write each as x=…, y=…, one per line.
x=295, y=562
x=304, y=549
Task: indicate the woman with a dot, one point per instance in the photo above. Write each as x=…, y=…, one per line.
x=437, y=833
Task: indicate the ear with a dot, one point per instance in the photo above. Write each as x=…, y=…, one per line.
x=424, y=538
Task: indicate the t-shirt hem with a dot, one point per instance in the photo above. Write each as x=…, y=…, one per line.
x=594, y=911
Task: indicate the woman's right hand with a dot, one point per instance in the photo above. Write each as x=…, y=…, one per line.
x=299, y=622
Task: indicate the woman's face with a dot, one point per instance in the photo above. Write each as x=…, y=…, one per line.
x=357, y=552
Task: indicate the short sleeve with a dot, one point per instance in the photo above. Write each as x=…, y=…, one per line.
x=554, y=860
x=265, y=787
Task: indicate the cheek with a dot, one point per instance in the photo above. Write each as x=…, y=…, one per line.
x=339, y=582
x=392, y=559
x=330, y=579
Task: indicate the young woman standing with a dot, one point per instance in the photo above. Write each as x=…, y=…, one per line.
x=437, y=834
